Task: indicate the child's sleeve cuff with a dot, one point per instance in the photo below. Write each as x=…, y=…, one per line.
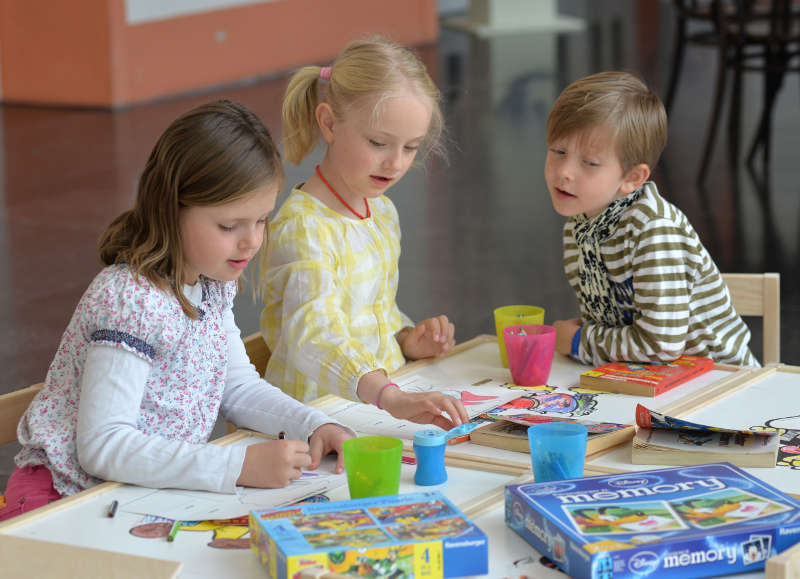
x=576, y=343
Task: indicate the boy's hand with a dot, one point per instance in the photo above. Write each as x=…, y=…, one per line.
x=273, y=464
x=425, y=407
x=325, y=439
x=565, y=331
x=431, y=337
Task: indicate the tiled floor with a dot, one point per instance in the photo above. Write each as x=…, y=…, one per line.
x=479, y=232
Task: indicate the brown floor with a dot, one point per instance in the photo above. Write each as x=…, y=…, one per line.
x=478, y=233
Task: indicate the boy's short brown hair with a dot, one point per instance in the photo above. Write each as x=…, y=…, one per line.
x=620, y=102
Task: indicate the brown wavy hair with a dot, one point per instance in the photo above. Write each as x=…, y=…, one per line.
x=211, y=155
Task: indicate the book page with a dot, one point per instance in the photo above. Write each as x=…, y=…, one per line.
x=646, y=418
x=724, y=443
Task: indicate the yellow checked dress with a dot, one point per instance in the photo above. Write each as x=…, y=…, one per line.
x=330, y=314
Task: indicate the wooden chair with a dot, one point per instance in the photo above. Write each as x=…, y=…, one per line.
x=759, y=294
x=12, y=406
x=257, y=351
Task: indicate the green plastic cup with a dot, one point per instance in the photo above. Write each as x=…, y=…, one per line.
x=373, y=465
x=514, y=316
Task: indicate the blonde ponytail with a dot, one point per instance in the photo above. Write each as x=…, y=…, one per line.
x=300, y=130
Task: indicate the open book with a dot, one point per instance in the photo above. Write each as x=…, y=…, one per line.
x=662, y=439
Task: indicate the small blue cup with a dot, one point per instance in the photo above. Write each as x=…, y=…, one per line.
x=558, y=450
x=429, y=449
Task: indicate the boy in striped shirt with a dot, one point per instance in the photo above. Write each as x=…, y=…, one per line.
x=647, y=288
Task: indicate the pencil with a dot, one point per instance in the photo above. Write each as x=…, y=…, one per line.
x=112, y=508
x=173, y=531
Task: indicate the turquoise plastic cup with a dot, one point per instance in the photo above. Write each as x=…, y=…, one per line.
x=558, y=450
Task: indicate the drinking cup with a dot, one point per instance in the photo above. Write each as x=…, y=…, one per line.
x=558, y=450
x=511, y=316
x=373, y=465
x=530, y=350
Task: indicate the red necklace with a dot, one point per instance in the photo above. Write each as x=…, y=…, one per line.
x=345, y=203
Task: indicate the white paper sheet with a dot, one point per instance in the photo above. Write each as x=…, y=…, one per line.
x=183, y=505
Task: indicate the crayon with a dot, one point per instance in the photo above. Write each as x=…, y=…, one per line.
x=112, y=508
x=173, y=531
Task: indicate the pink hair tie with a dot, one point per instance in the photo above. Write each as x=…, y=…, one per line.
x=325, y=73
x=385, y=386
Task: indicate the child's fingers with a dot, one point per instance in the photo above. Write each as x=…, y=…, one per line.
x=455, y=409
x=317, y=447
x=446, y=329
x=460, y=410
x=443, y=422
x=340, y=462
x=417, y=332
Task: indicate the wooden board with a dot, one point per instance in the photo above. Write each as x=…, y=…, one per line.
x=34, y=558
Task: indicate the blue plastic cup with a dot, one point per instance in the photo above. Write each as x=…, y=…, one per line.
x=558, y=450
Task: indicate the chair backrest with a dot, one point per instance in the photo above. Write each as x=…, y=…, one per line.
x=12, y=406
x=759, y=294
x=257, y=351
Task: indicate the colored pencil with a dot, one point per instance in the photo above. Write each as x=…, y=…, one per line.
x=112, y=508
x=173, y=531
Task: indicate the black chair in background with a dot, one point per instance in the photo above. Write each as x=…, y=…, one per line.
x=750, y=36
x=695, y=23
x=781, y=55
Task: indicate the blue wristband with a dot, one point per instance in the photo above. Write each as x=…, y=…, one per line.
x=576, y=343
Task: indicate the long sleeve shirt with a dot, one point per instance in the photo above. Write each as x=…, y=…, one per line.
x=330, y=313
x=670, y=295
x=136, y=387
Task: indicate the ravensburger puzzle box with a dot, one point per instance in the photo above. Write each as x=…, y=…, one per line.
x=691, y=521
x=420, y=535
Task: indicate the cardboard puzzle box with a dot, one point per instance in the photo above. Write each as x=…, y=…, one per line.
x=420, y=535
x=695, y=521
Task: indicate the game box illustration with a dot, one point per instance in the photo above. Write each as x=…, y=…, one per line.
x=692, y=521
x=419, y=535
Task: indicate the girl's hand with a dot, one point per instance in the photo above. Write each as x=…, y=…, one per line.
x=424, y=407
x=325, y=439
x=273, y=464
x=431, y=337
x=565, y=331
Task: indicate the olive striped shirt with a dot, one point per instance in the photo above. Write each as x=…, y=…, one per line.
x=671, y=297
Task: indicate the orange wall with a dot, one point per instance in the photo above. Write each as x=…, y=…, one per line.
x=56, y=51
x=84, y=53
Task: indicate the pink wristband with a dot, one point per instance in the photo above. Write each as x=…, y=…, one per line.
x=385, y=386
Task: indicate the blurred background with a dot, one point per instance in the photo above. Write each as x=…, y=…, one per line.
x=87, y=88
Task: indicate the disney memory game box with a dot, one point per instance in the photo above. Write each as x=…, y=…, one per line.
x=691, y=521
x=420, y=535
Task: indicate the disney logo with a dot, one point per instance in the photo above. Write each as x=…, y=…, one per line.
x=644, y=562
x=628, y=482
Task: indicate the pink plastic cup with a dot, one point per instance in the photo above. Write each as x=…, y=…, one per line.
x=530, y=349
